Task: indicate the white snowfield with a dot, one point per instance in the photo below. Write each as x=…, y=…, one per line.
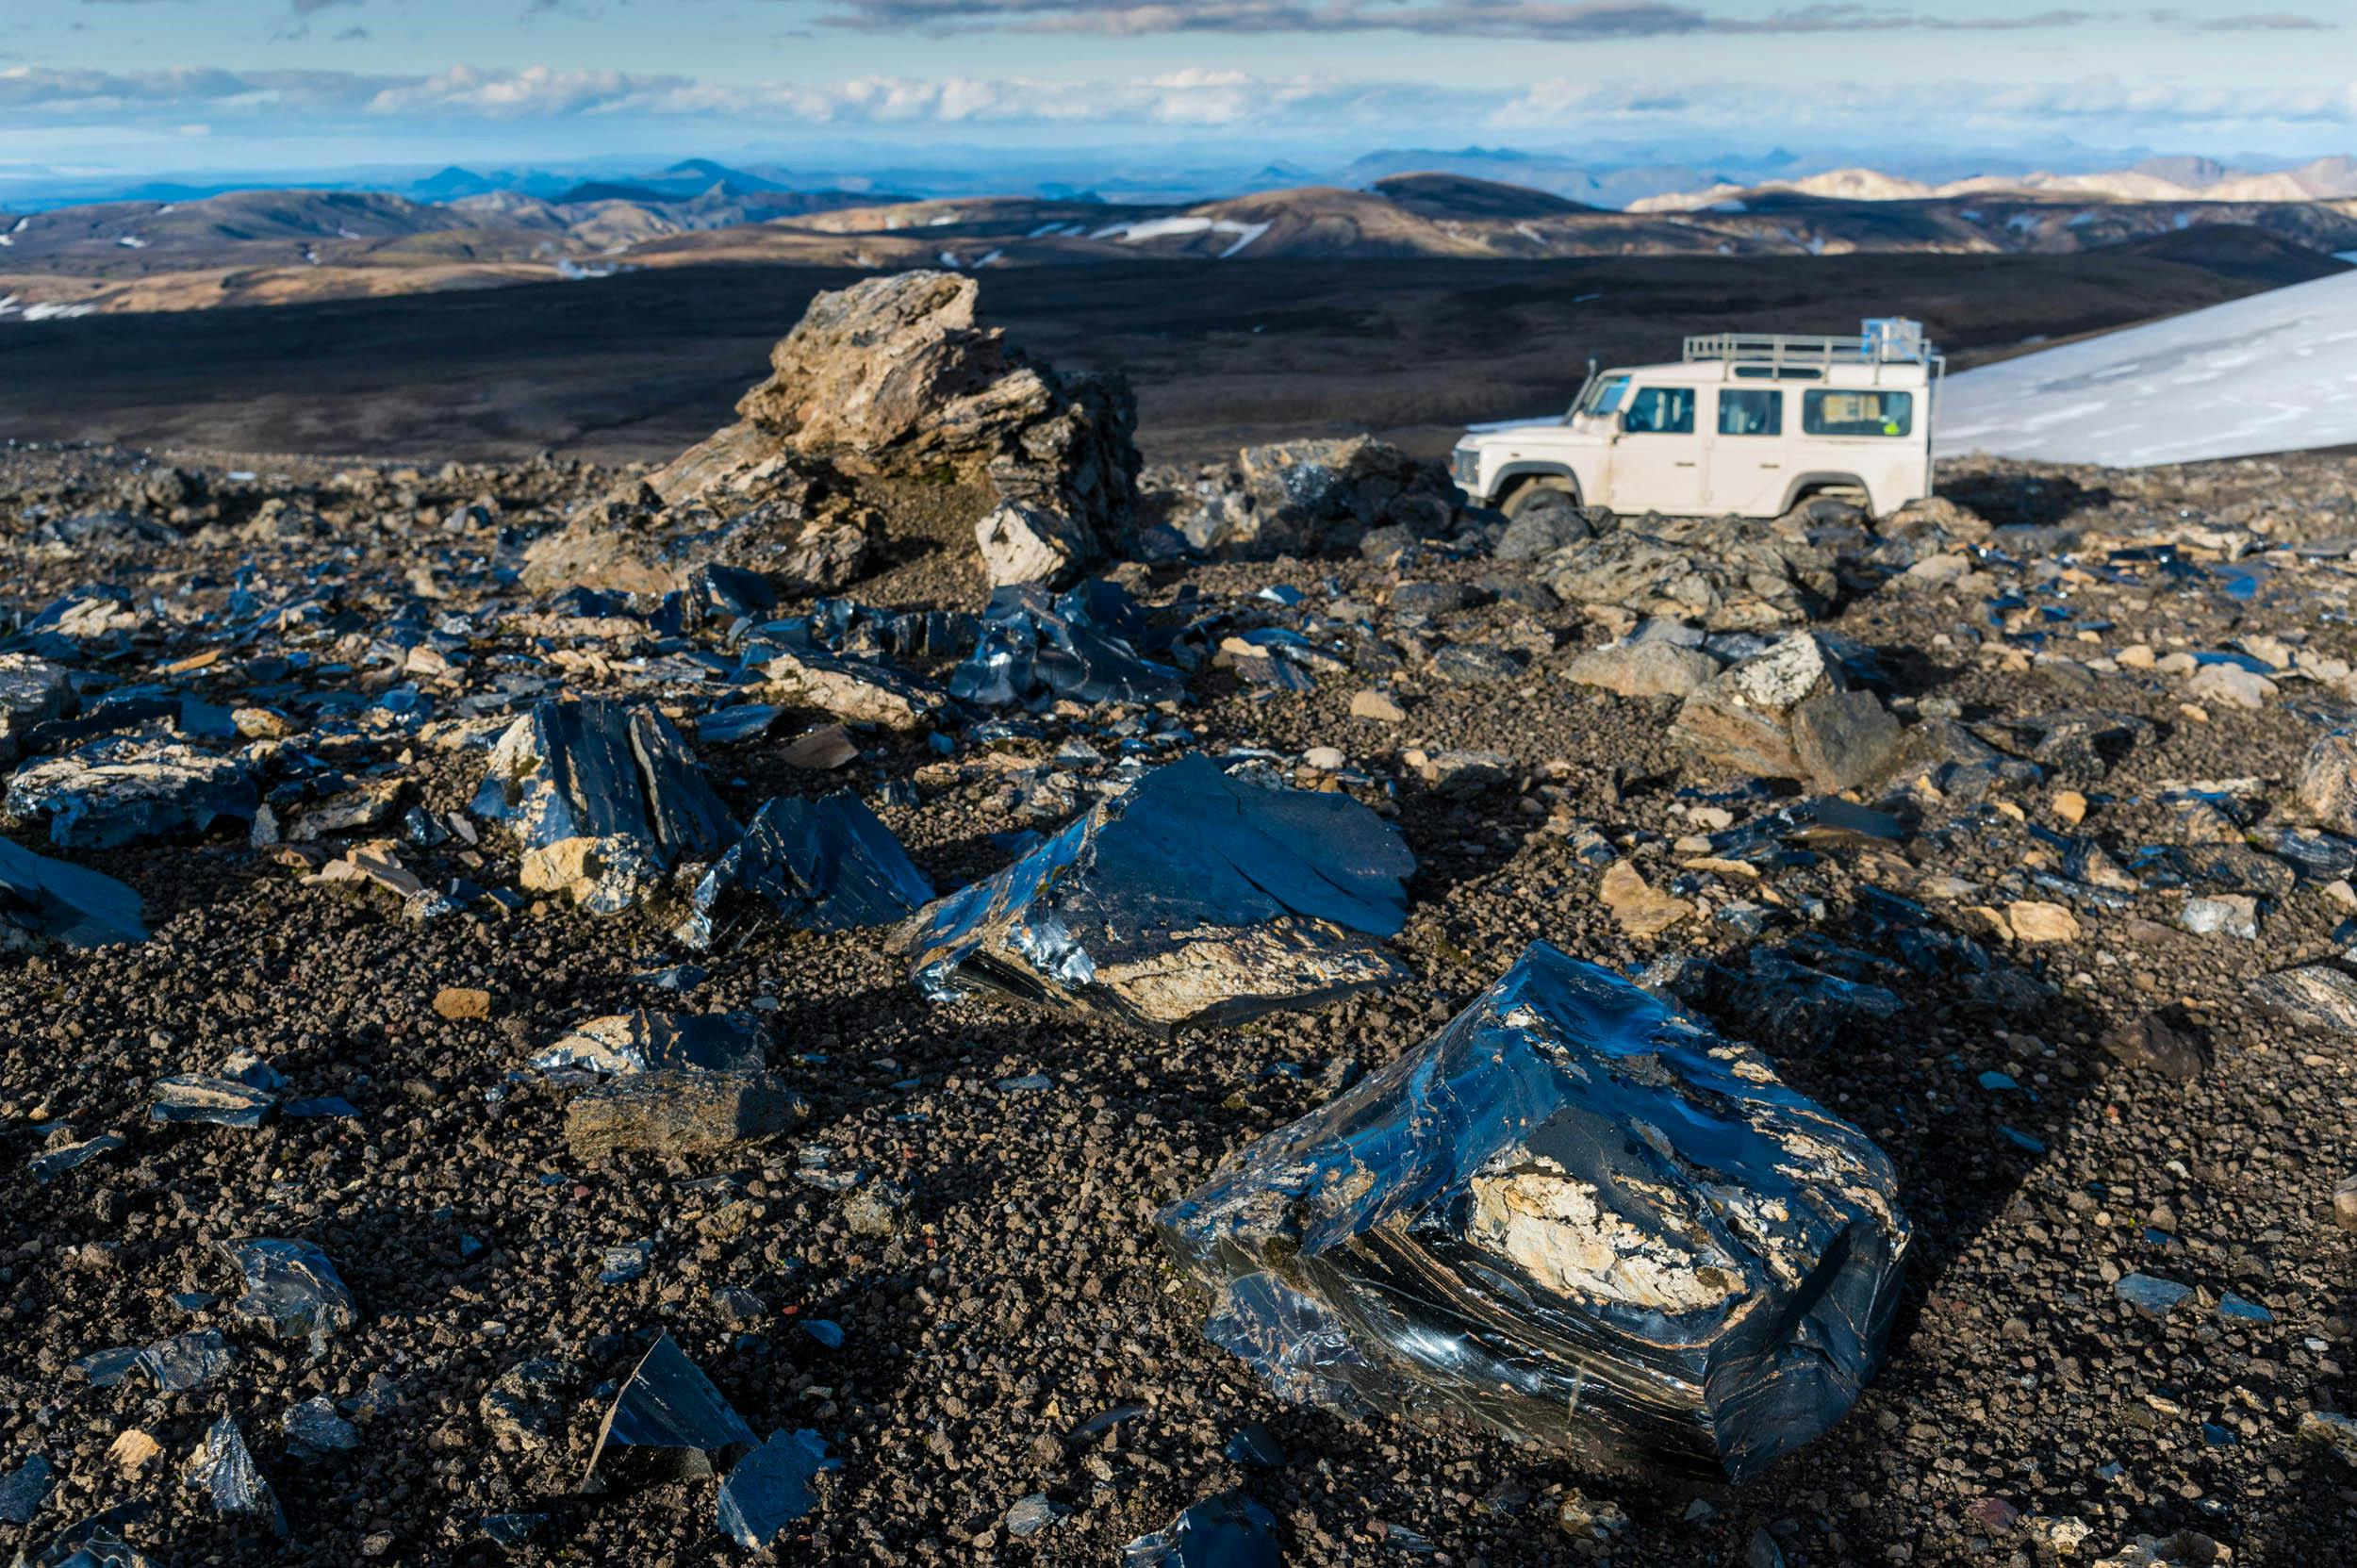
x=2274, y=372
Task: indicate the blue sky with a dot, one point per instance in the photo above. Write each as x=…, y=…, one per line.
x=149, y=86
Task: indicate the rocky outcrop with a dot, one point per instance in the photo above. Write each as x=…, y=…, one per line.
x=1729, y=576
x=1789, y=712
x=887, y=412
x=1299, y=498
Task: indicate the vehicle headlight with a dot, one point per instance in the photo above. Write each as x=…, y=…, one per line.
x=1464, y=464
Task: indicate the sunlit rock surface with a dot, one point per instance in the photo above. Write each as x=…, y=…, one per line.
x=1576, y=1215
x=1189, y=897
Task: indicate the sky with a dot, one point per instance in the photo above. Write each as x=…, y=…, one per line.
x=150, y=87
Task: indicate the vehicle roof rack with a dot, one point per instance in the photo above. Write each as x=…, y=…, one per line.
x=1881, y=340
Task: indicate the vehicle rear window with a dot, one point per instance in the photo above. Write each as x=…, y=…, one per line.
x=1744, y=412
x=1660, y=411
x=1832, y=412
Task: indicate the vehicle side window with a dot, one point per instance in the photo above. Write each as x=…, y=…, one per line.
x=1660, y=411
x=1830, y=412
x=1744, y=411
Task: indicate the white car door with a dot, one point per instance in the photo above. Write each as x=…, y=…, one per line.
x=1750, y=460
x=1659, y=456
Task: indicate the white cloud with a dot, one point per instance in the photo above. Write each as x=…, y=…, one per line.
x=1562, y=105
x=297, y=103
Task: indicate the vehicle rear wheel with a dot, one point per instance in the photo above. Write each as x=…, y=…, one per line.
x=1543, y=496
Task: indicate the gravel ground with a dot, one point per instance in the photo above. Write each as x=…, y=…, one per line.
x=1015, y=1329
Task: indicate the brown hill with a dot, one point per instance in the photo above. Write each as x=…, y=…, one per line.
x=268, y=247
x=1461, y=196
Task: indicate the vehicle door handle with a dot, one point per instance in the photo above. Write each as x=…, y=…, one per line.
x=1772, y=465
x=1683, y=465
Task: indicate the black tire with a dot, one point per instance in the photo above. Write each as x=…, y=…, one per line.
x=1544, y=496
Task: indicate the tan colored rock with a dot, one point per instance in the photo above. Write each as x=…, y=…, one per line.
x=1642, y=909
x=679, y=1111
x=2070, y=806
x=1656, y=667
x=863, y=692
x=133, y=1451
x=2327, y=781
x=1026, y=544
x=1375, y=706
x=2034, y=920
x=460, y=1001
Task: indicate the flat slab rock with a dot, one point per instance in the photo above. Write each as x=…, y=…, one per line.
x=130, y=789
x=1189, y=897
x=680, y=1112
x=1575, y=1215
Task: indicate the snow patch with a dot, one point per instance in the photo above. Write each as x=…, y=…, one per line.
x=2274, y=372
x=1246, y=233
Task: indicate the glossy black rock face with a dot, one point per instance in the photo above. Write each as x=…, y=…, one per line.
x=826, y=865
x=1189, y=897
x=291, y=1289
x=1228, y=1532
x=1079, y=644
x=667, y=1404
x=65, y=902
x=770, y=1487
x=1576, y=1215
x=598, y=769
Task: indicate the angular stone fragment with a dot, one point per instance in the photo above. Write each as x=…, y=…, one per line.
x=2327, y=781
x=91, y=1543
x=54, y=900
x=1845, y=739
x=826, y=865
x=679, y=1111
x=2159, y=1043
x=33, y=692
x=187, y=1362
x=292, y=1290
x=313, y=1428
x=769, y=1488
x=1642, y=909
x=2315, y=997
x=666, y=1405
x=221, y=1468
x=1082, y=644
x=1229, y=1530
x=52, y=1162
x=2035, y=920
x=644, y=1040
x=1576, y=1215
x=861, y=690
x=363, y=806
x=127, y=789
x=224, y=1101
x=604, y=799
x=1027, y=544
x=1653, y=668
x=23, y=1490
x=1749, y=718
x=1189, y=897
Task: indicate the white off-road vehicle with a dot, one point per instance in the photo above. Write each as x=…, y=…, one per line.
x=1746, y=425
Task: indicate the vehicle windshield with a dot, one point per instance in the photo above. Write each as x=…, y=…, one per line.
x=1605, y=397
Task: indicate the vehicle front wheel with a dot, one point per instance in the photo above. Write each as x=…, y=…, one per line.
x=1543, y=496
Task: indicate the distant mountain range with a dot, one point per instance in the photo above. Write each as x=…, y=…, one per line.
x=265, y=247
x=2171, y=180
